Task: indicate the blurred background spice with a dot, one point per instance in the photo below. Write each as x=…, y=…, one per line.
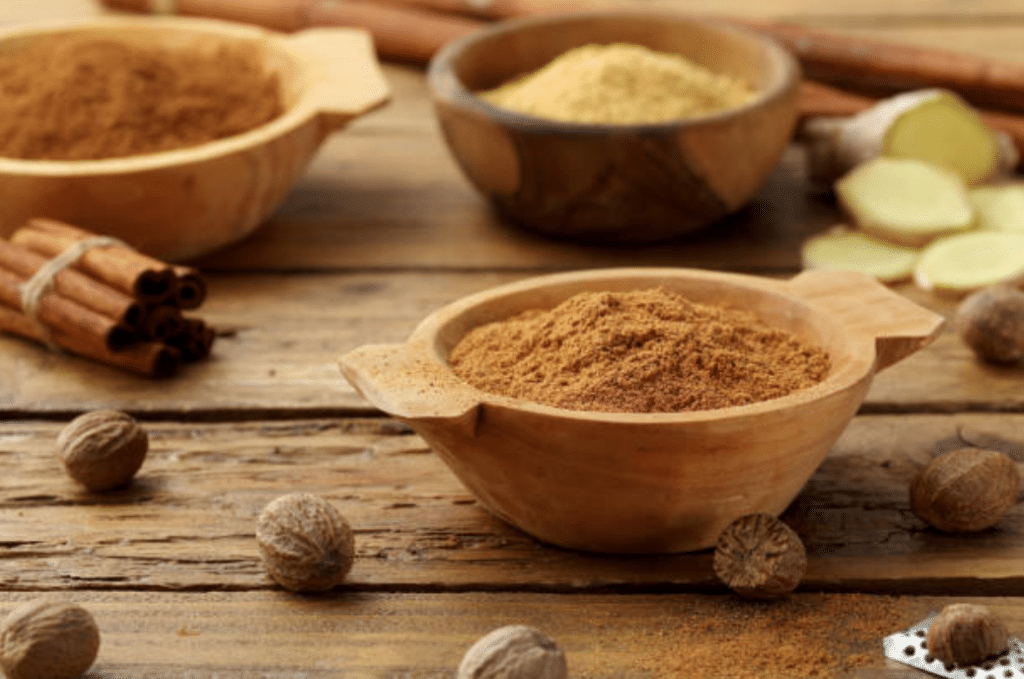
x=620, y=83
x=76, y=98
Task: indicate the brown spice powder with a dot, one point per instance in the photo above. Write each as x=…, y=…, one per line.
x=77, y=98
x=643, y=351
x=809, y=635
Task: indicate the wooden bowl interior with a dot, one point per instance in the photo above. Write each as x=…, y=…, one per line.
x=850, y=359
x=494, y=58
x=176, y=36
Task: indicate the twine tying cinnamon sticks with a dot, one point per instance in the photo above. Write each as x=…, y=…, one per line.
x=97, y=297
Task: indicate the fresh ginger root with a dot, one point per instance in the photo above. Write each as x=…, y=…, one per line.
x=999, y=207
x=904, y=201
x=933, y=125
x=841, y=249
x=958, y=265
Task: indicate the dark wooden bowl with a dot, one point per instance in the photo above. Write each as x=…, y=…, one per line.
x=614, y=183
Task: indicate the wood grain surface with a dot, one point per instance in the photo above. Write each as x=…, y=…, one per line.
x=275, y=635
x=187, y=522
x=380, y=231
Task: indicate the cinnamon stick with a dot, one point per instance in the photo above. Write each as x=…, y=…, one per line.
x=85, y=290
x=151, y=359
x=195, y=340
x=161, y=321
x=189, y=288
x=122, y=268
x=879, y=67
x=82, y=326
x=818, y=99
x=401, y=33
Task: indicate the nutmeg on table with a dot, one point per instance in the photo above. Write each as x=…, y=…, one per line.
x=112, y=304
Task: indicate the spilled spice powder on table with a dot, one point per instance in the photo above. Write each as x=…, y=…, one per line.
x=824, y=636
x=645, y=351
x=69, y=97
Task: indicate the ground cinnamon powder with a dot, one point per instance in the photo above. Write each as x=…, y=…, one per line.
x=824, y=636
x=80, y=98
x=641, y=352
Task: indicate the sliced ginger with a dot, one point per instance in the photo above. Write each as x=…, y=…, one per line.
x=960, y=264
x=844, y=250
x=999, y=207
x=933, y=125
x=905, y=201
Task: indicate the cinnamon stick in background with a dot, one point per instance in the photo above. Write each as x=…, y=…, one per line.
x=880, y=67
x=124, y=269
x=399, y=32
x=81, y=325
x=151, y=359
x=87, y=291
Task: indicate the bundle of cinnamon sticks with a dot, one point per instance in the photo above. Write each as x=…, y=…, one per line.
x=111, y=303
x=413, y=30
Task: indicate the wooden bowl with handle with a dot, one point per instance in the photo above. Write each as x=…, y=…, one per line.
x=182, y=203
x=614, y=183
x=643, y=483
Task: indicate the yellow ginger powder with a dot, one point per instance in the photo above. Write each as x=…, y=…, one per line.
x=620, y=83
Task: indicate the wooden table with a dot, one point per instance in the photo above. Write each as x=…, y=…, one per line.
x=380, y=231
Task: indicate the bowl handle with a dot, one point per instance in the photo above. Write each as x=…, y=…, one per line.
x=862, y=304
x=409, y=383
x=346, y=78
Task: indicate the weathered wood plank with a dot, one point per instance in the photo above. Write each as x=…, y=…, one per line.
x=358, y=635
x=187, y=523
x=284, y=334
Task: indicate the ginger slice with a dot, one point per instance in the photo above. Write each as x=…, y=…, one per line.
x=960, y=264
x=999, y=207
x=905, y=201
x=933, y=125
x=841, y=249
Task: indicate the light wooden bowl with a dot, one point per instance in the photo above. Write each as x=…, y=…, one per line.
x=182, y=203
x=614, y=183
x=635, y=483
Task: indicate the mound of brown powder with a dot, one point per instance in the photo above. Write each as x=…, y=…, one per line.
x=641, y=352
x=77, y=98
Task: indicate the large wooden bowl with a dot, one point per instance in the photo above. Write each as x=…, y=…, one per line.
x=614, y=183
x=179, y=204
x=618, y=482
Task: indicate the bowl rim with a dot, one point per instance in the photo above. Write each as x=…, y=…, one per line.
x=840, y=381
x=290, y=119
x=445, y=85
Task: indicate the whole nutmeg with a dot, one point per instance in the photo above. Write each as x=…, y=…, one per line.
x=966, y=634
x=103, y=449
x=48, y=640
x=965, y=490
x=306, y=544
x=760, y=557
x=991, y=323
x=514, y=652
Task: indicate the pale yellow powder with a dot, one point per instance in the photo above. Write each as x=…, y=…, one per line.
x=620, y=83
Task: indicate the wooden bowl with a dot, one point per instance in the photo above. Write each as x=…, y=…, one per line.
x=182, y=203
x=642, y=483
x=614, y=183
